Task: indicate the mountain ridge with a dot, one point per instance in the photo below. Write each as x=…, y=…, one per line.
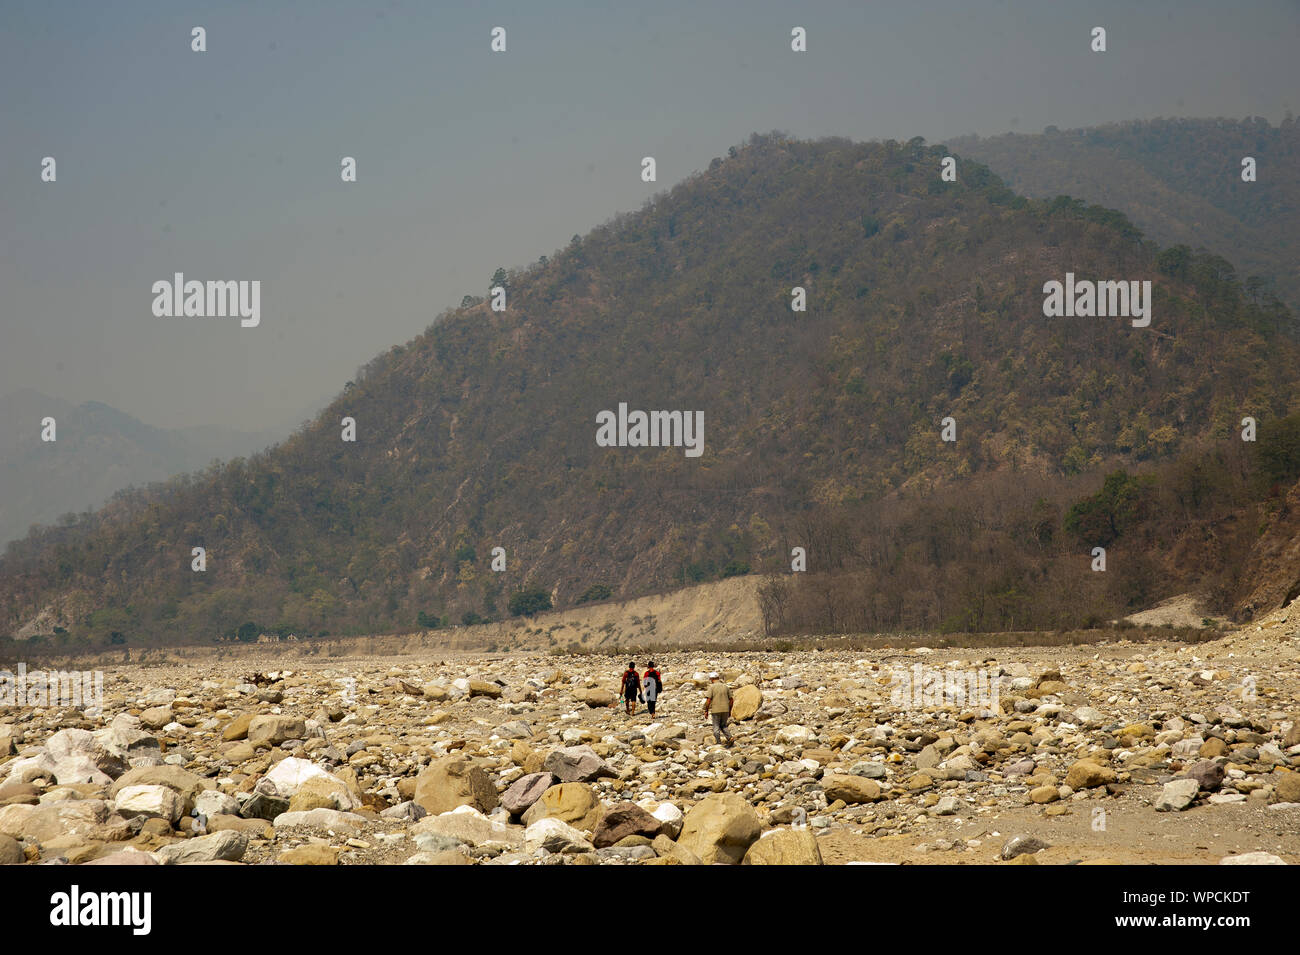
x=925, y=301
x=1180, y=180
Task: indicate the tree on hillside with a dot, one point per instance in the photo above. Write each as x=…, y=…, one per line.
x=595, y=592
x=529, y=601
x=1099, y=520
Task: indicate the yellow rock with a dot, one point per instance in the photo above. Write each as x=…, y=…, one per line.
x=1213, y=747
x=785, y=847
x=1085, y=774
x=237, y=728
x=745, y=702
x=573, y=803
x=310, y=855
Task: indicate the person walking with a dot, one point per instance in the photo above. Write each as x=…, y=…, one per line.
x=653, y=685
x=631, y=688
x=717, y=705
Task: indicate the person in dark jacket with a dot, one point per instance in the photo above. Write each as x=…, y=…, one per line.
x=631, y=688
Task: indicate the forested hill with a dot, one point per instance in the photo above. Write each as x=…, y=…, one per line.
x=924, y=301
x=1179, y=180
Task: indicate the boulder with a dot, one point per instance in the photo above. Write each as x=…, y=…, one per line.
x=403, y=812
x=483, y=688
x=290, y=774
x=1086, y=774
x=576, y=764
x=1177, y=795
x=446, y=857
x=266, y=731
x=1287, y=788
x=320, y=819
x=795, y=735
x=212, y=802
x=238, y=753
x=226, y=846
x=264, y=806
x=525, y=791
x=1253, y=858
x=30, y=769
x=745, y=702
x=12, y=793
x=1022, y=844
x=79, y=756
x=665, y=848
x=185, y=784
x=127, y=856
x=436, y=842
x=253, y=828
x=454, y=781
x=11, y=851
x=625, y=819
x=1207, y=773
x=467, y=824
x=852, y=789
x=45, y=823
x=554, y=836
x=323, y=792
x=785, y=847
x=666, y=733
x=1212, y=748
x=595, y=698
x=237, y=728
x=1292, y=737
x=720, y=828
x=155, y=802
x=124, y=735
x=670, y=819
x=574, y=803
x=310, y=854
x=517, y=729
x=156, y=717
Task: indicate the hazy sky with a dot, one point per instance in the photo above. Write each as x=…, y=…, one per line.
x=225, y=164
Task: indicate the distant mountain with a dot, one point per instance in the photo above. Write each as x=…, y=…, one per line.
x=925, y=302
x=97, y=451
x=1179, y=180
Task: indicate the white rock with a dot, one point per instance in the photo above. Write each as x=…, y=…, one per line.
x=319, y=819
x=157, y=802
x=795, y=735
x=1252, y=858
x=554, y=835
x=290, y=773
x=225, y=846
x=211, y=802
x=671, y=817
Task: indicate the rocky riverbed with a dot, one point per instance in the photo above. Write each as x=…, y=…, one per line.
x=1120, y=752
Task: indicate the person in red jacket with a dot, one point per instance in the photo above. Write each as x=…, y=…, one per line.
x=654, y=685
